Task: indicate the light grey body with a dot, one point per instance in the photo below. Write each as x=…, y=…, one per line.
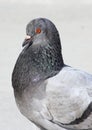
x=62, y=98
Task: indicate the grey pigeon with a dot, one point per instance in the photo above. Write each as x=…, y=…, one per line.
x=51, y=94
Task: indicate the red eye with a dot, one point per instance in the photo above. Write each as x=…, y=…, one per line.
x=38, y=30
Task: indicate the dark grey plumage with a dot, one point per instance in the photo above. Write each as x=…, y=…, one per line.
x=41, y=61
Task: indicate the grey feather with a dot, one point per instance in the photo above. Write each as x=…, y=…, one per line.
x=49, y=93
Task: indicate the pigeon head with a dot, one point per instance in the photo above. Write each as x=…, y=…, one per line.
x=43, y=43
x=41, y=32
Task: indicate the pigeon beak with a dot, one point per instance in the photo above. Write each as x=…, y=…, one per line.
x=27, y=37
x=28, y=40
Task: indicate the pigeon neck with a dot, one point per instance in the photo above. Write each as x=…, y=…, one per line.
x=46, y=61
x=36, y=64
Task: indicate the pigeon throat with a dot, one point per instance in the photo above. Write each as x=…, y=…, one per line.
x=35, y=65
x=45, y=61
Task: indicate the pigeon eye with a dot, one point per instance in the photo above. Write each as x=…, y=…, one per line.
x=38, y=30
